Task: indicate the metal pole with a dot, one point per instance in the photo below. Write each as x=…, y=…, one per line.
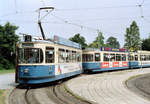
x=42, y=32
x=39, y=19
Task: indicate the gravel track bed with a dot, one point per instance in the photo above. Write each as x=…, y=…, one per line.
x=49, y=94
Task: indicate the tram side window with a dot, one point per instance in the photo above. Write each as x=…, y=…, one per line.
x=78, y=56
x=97, y=56
x=84, y=57
x=144, y=57
x=90, y=57
x=49, y=55
x=136, y=57
x=118, y=57
x=87, y=57
x=141, y=57
x=149, y=57
x=123, y=57
x=106, y=57
x=68, y=56
x=61, y=55
x=112, y=57
x=73, y=56
x=131, y=58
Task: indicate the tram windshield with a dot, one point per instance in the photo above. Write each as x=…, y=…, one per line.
x=30, y=55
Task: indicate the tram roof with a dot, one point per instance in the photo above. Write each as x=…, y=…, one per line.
x=56, y=40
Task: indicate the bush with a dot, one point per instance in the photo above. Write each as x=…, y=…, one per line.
x=1, y=67
x=5, y=64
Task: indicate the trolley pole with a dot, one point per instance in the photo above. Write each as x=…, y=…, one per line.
x=48, y=10
x=42, y=32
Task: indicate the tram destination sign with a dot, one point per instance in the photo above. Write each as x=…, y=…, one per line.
x=113, y=49
x=27, y=45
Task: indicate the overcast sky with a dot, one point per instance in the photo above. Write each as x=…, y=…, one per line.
x=111, y=17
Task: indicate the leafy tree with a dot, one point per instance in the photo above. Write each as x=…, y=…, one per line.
x=146, y=44
x=79, y=39
x=8, y=38
x=99, y=42
x=112, y=42
x=132, y=37
x=93, y=45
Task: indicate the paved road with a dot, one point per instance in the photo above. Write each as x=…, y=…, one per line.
x=7, y=81
x=140, y=85
x=108, y=87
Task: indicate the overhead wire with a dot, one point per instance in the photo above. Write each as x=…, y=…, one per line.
x=43, y=3
x=48, y=12
x=83, y=26
x=142, y=2
x=75, y=24
x=142, y=13
x=20, y=12
x=146, y=20
x=74, y=9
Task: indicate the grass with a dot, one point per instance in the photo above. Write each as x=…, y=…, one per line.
x=4, y=71
x=77, y=96
x=3, y=94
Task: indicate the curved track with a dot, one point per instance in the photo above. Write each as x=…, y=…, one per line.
x=108, y=87
x=54, y=94
x=18, y=96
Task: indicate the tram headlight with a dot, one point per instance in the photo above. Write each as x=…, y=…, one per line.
x=26, y=70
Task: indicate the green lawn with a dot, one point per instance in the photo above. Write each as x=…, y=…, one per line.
x=3, y=94
x=2, y=97
x=4, y=71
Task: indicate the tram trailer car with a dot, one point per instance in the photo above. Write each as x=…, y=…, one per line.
x=144, y=58
x=46, y=61
x=105, y=59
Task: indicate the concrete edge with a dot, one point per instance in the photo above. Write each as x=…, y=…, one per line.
x=77, y=96
x=132, y=77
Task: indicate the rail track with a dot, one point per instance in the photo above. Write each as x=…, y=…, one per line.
x=47, y=94
x=19, y=96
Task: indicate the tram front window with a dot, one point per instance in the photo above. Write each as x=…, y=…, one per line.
x=30, y=55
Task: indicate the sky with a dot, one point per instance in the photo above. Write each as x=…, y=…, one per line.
x=86, y=17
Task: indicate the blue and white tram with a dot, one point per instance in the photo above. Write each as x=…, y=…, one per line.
x=104, y=59
x=144, y=58
x=45, y=61
x=96, y=60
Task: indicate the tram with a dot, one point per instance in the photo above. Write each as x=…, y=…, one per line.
x=105, y=59
x=144, y=58
x=43, y=61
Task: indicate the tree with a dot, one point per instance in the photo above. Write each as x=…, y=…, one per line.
x=8, y=38
x=146, y=44
x=79, y=39
x=132, y=37
x=112, y=42
x=99, y=42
